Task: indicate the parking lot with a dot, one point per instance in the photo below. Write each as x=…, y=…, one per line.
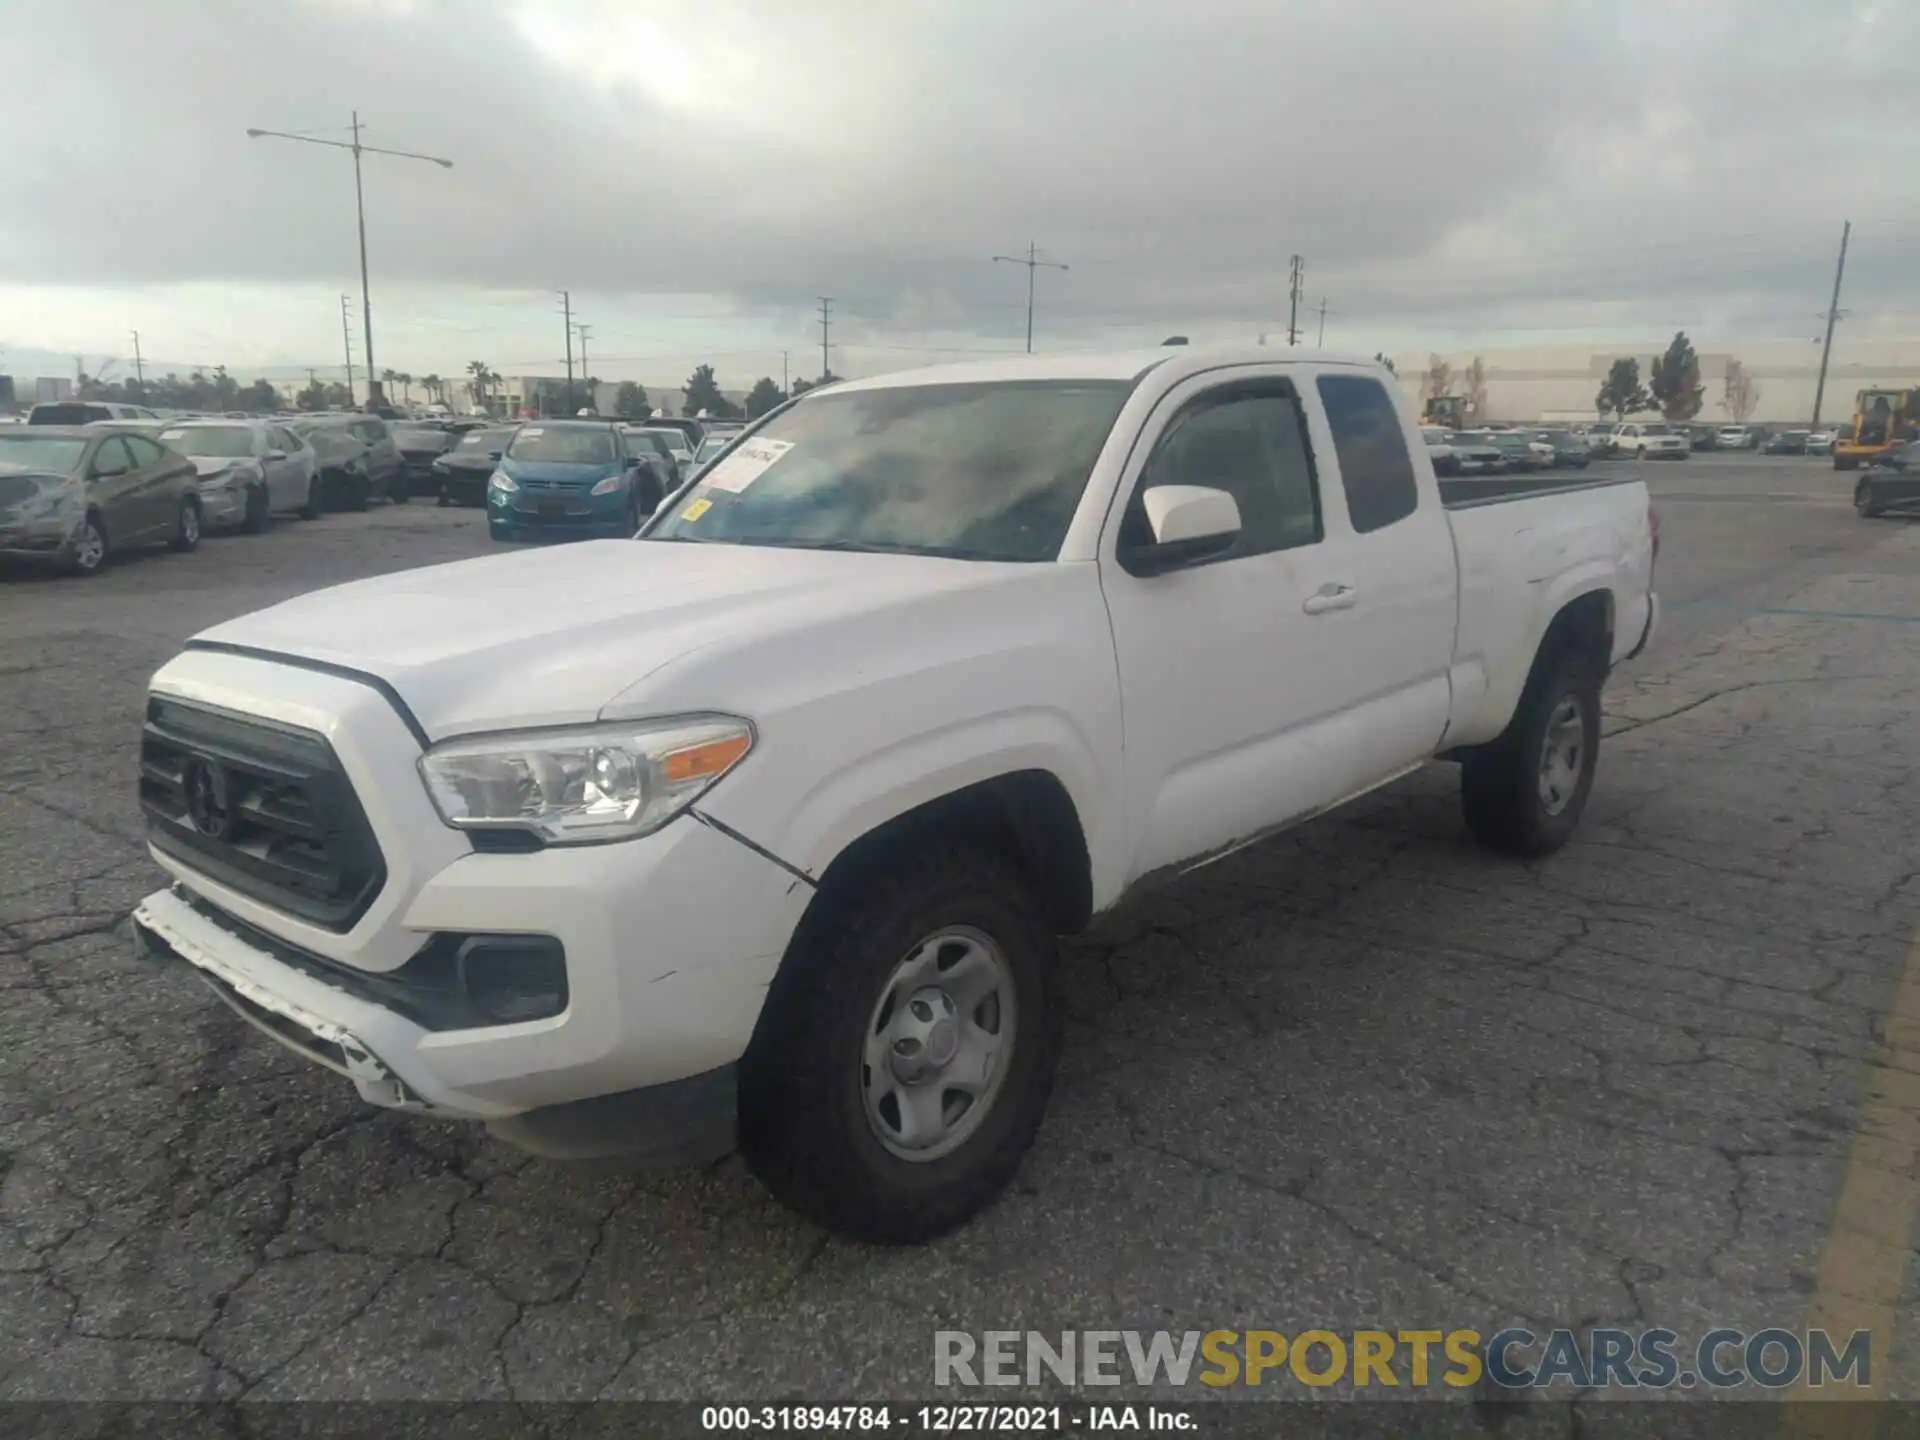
x=1365, y=1074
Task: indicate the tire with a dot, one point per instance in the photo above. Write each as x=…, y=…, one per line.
x=311, y=510
x=359, y=490
x=90, y=551
x=254, y=522
x=445, y=501
x=1864, y=504
x=187, y=527
x=810, y=1126
x=1504, y=785
x=400, y=490
x=1843, y=463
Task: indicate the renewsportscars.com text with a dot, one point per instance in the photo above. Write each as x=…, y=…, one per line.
x=1654, y=1358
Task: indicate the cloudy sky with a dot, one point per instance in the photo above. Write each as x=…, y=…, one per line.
x=1481, y=173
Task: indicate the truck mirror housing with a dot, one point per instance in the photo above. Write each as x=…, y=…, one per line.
x=1189, y=523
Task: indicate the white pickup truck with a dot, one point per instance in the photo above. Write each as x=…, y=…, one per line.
x=758, y=828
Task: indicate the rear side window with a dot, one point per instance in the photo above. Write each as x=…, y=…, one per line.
x=68, y=413
x=144, y=451
x=1375, y=467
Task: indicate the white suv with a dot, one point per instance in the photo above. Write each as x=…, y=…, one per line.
x=1656, y=441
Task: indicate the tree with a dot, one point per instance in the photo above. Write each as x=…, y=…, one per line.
x=1675, y=380
x=314, y=397
x=630, y=401
x=1439, y=379
x=226, y=389
x=481, y=375
x=1739, y=397
x=590, y=393
x=434, y=388
x=1474, y=383
x=1386, y=360
x=260, y=396
x=406, y=387
x=764, y=396
x=702, y=393
x=801, y=386
x=1621, y=393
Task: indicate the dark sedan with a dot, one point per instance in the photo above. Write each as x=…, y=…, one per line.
x=421, y=443
x=1570, y=451
x=354, y=463
x=462, y=473
x=1890, y=485
x=76, y=496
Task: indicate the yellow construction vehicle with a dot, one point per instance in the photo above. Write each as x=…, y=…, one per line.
x=1882, y=419
x=1449, y=412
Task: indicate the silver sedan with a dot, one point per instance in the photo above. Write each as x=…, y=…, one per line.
x=249, y=470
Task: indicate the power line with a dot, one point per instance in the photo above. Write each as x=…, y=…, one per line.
x=1032, y=261
x=1833, y=315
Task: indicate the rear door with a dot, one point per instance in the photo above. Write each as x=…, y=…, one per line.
x=162, y=480
x=287, y=476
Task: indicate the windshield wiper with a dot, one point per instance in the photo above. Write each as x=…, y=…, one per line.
x=874, y=547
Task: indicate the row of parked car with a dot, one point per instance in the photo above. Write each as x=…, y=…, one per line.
x=74, y=495
x=1496, y=451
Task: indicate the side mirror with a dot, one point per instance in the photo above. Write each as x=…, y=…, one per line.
x=276, y=454
x=1189, y=523
x=495, y=454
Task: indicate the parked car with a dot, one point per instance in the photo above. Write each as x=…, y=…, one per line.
x=86, y=412
x=1602, y=439
x=680, y=443
x=1701, y=437
x=76, y=495
x=249, y=470
x=707, y=855
x=1820, y=442
x=1515, y=448
x=715, y=443
x=420, y=443
x=1651, y=440
x=462, y=473
x=1738, y=437
x=1473, y=454
x=674, y=465
x=1890, y=484
x=1786, y=442
x=357, y=460
x=573, y=480
x=1568, y=449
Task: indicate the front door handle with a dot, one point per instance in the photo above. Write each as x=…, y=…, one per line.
x=1329, y=597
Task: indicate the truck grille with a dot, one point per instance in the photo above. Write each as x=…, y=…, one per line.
x=261, y=807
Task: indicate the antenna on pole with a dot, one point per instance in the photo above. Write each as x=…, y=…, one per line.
x=1033, y=262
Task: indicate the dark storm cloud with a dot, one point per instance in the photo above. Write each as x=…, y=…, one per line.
x=1431, y=161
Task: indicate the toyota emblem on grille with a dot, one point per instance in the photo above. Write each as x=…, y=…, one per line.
x=209, y=799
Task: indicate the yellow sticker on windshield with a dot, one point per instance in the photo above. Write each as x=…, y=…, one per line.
x=696, y=510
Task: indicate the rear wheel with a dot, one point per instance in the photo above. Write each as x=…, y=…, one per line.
x=186, y=534
x=904, y=1058
x=359, y=489
x=1843, y=462
x=1865, y=502
x=1524, y=793
x=400, y=489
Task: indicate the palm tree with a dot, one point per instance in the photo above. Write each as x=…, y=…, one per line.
x=433, y=384
x=406, y=387
x=478, y=370
x=389, y=378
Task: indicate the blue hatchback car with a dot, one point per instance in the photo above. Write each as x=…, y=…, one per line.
x=571, y=480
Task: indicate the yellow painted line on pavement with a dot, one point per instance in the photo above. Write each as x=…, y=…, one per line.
x=1863, y=1269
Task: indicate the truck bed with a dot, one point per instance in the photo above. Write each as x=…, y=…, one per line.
x=1459, y=492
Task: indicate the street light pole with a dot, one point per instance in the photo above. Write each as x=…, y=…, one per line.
x=360, y=208
x=1033, y=263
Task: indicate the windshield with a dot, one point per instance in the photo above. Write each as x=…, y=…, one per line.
x=563, y=445
x=710, y=448
x=982, y=472
x=330, y=439
x=40, y=452
x=676, y=441
x=483, y=440
x=225, y=441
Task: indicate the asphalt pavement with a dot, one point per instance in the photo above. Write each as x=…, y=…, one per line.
x=1363, y=1075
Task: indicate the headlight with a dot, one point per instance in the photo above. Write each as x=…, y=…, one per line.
x=609, y=486
x=586, y=784
x=503, y=482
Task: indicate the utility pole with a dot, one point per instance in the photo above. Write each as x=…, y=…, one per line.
x=586, y=375
x=346, y=334
x=1033, y=263
x=784, y=387
x=1833, y=314
x=1322, y=342
x=826, y=308
x=566, y=309
x=360, y=207
x=139, y=370
x=1299, y=269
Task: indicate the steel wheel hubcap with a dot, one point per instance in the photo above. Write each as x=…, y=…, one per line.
x=1561, y=755
x=91, y=547
x=938, y=1044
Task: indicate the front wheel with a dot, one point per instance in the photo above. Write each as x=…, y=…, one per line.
x=359, y=490
x=255, y=519
x=1524, y=792
x=187, y=528
x=907, y=1048
x=89, y=555
x=400, y=491
x=1864, y=503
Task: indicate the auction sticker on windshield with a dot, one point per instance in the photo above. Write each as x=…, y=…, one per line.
x=746, y=464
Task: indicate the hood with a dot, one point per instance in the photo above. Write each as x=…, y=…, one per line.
x=205, y=465
x=554, y=470
x=424, y=444
x=551, y=636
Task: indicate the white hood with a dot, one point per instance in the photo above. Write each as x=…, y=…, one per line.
x=551, y=636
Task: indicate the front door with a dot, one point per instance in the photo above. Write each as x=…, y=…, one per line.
x=113, y=487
